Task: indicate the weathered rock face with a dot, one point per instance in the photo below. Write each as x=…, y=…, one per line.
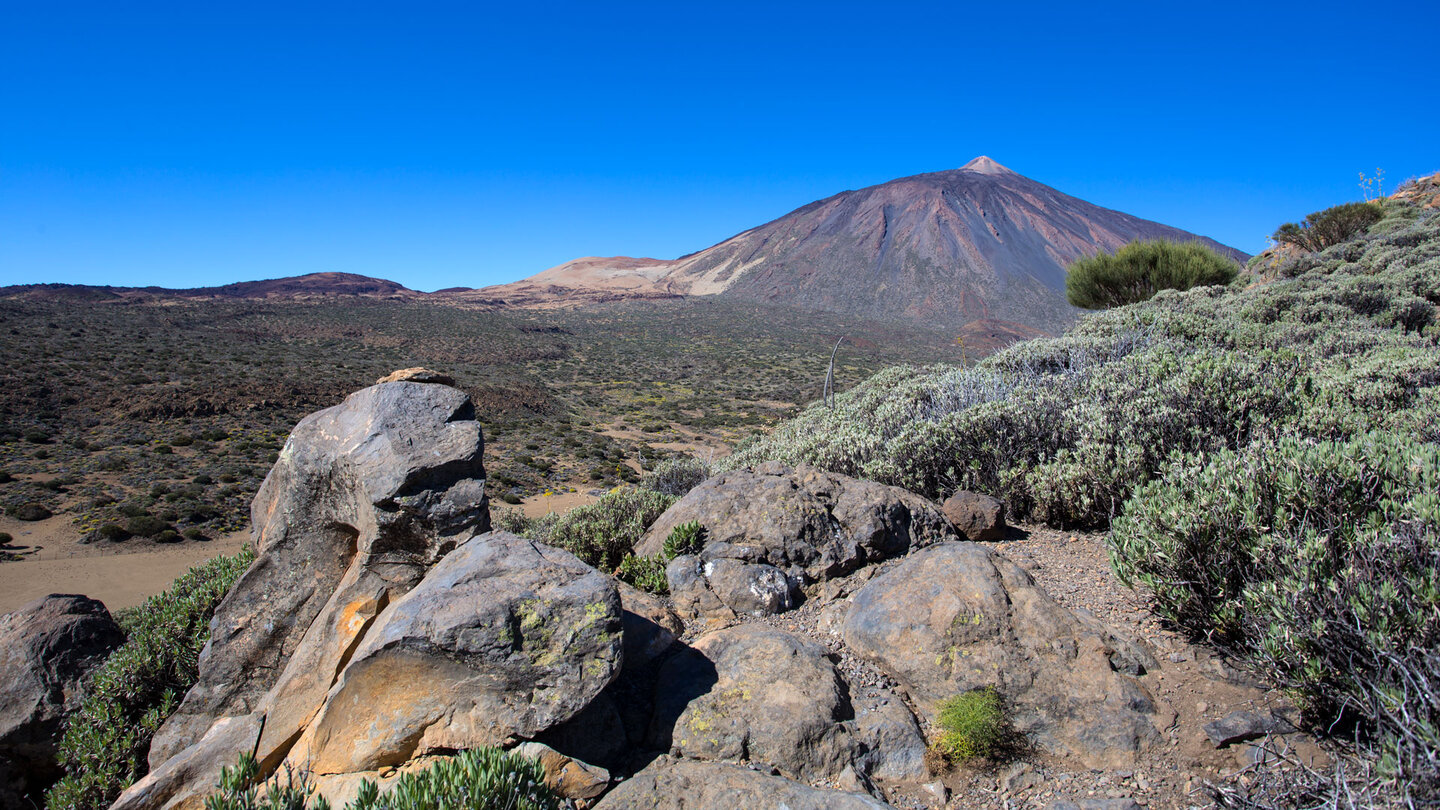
x=957, y=617
x=680, y=785
x=187, y=778
x=47, y=648
x=365, y=498
x=754, y=692
x=773, y=529
x=978, y=517
x=504, y=639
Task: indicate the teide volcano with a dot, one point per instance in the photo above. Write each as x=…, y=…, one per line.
x=979, y=243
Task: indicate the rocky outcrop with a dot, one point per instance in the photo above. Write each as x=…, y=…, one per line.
x=957, y=617
x=504, y=639
x=183, y=781
x=678, y=785
x=753, y=692
x=47, y=648
x=976, y=516
x=365, y=498
x=772, y=530
x=417, y=374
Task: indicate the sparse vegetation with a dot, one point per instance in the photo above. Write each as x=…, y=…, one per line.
x=602, y=533
x=104, y=747
x=479, y=779
x=972, y=725
x=569, y=400
x=1140, y=269
x=1289, y=431
x=1332, y=226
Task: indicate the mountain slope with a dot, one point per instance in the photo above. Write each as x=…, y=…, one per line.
x=979, y=243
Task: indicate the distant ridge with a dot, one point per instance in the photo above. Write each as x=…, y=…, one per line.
x=299, y=287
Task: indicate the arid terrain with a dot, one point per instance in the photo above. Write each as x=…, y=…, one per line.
x=141, y=420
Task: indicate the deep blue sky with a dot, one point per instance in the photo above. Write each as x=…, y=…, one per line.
x=467, y=144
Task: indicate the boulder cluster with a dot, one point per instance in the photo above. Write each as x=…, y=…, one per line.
x=383, y=624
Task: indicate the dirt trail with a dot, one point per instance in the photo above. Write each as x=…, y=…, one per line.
x=119, y=574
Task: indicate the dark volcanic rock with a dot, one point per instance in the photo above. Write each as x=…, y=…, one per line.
x=753, y=692
x=47, y=648
x=503, y=639
x=957, y=617
x=772, y=530
x=365, y=498
x=1246, y=725
x=680, y=785
x=978, y=517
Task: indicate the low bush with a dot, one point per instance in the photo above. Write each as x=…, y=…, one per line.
x=686, y=538
x=112, y=531
x=972, y=725
x=31, y=512
x=1318, y=562
x=676, y=476
x=479, y=779
x=603, y=532
x=106, y=740
x=1140, y=269
x=145, y=526
x=1330, y=227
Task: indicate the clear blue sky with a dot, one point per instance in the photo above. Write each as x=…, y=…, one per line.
x=464, y=144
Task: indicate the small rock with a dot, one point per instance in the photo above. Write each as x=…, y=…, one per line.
x=1019, y=778
x=418, y=375
x=1202, y=707
x=1245, y=725
x=570, y=778
x=937, y=791
x=978, y=517
x=1124, y=803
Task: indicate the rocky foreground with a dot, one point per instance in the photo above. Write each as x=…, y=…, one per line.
x=798, y=661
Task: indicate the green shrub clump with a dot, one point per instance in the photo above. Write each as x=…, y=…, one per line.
x=1140, y=269
x=603, y=532
x=648, y=573
x=1063, y=429
x=105, y=743
x=676, y=476
x=686, y=538
x=972, y=725
x=1317, y=561
x=1331, y=226
x=480, y=779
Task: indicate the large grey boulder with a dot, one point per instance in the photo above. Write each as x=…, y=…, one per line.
x=684, y=785
x=957, y=617
x=47, y=648
x=772, y=530
x=365, y=498
x=504, y=639
x=757, y=693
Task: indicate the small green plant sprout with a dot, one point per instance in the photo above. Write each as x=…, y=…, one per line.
x=972, y=725
x=687, y=538
x=645, y=573
x=239, y=789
